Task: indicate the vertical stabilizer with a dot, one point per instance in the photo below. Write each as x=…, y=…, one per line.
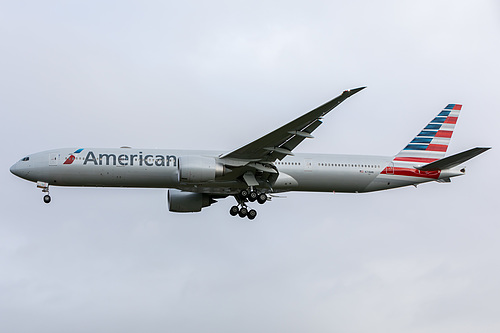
x=432, y=142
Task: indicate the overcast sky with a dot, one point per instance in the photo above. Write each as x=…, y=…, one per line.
x=217, y=75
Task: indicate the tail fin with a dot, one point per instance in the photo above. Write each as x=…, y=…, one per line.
x=432, y=142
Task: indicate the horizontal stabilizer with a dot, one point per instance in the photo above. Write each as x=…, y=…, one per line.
x=453, y=160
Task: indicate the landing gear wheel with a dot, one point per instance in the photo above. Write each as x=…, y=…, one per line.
x=234, y=211
x=244, y=193
x=262, y=198
x=252, y=213
x=46, y=199
x=252, y=196
x=243, y=212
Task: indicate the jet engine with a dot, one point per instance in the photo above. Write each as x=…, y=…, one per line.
x=187, y=202
x=198, y=169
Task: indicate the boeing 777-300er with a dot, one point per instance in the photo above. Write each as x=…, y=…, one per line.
x=256, y=171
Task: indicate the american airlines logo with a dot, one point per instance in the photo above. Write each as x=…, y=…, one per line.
x=125, y=159
x=72, y=157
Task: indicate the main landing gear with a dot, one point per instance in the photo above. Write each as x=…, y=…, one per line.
x=45, y=189
x=241, y=209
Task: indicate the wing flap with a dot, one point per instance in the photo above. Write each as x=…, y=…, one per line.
x=295, y=140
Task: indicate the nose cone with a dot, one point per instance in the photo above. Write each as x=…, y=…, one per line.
x=19, y=170
x=15, y=170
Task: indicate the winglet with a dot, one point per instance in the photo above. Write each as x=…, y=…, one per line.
x=329, y=106
x=353, y=91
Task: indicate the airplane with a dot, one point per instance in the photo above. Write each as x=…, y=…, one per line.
x=256, y=171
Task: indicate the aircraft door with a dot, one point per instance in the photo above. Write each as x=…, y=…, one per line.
x=53, y=159
x=308, y=164
x=390, y=168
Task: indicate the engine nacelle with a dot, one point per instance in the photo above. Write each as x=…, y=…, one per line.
x=187, y=202
x=198, y=169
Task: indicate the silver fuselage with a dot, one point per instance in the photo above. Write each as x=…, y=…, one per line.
x=158, y=168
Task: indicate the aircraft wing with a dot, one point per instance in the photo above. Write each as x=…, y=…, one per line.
x=281, y=142
x=453, y=160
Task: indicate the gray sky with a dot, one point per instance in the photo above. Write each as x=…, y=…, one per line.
x=216, y=75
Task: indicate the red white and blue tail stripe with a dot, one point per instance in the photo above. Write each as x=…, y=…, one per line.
x=432, y=142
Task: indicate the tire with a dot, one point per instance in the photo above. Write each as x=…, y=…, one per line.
x=46, y=199
x=262, y=198
x=252, y=214
x=243, y=212
x=234, y=211
x=244, y=193
x=252, y=196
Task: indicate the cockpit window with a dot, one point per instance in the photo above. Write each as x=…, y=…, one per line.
x=25, y=159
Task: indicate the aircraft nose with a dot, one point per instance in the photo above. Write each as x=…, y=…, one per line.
x=14, y=169
x=19, y=171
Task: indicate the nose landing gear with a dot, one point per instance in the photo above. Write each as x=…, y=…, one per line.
x=45, y=189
